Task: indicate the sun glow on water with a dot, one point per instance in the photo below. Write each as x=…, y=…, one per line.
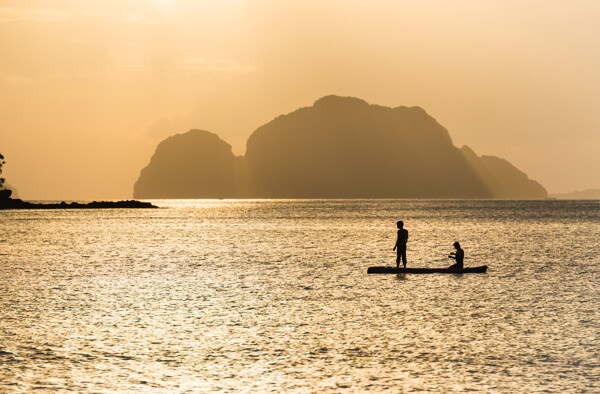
x=273, y=295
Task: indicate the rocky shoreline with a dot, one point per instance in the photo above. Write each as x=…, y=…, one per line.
x=12, y=203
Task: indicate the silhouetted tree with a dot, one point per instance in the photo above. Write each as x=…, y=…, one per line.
x=1, y=164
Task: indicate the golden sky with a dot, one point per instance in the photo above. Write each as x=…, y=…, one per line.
x=89, y=88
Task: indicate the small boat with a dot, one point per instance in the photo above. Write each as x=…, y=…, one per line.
x=394, y=270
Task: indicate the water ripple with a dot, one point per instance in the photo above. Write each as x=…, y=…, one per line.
x=273, y=296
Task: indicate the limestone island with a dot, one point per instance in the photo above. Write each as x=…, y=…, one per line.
x=340, y=147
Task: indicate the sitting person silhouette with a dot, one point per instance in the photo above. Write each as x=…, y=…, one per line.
x=401, y=244
x=459, y=256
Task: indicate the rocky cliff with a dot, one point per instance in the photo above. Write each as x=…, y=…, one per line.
x=197, y=164
x=502, y=178
x=344, y=147
x=340, y=147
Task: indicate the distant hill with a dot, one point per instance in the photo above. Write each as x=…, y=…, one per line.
x=589, y=194
x=340, y=147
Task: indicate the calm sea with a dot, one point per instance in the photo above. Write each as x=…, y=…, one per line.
x=274, y=296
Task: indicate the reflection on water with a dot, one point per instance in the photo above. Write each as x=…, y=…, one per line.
x=273, y=295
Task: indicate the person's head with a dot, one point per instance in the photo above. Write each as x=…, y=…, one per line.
x=400, y=224
x=456, y=245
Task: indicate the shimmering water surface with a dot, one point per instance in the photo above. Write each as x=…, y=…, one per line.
x=274, y=296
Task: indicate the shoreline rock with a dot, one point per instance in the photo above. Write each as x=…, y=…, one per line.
x=12, y=203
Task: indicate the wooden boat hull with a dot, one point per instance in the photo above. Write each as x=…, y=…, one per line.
x=394, y=270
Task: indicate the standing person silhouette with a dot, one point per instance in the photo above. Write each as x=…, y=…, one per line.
x=459, y=256
x=401, y=244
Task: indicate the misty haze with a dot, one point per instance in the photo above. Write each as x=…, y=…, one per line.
x=328, y=196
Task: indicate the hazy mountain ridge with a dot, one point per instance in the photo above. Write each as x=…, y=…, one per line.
x=588, y=194
x=341, y=147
